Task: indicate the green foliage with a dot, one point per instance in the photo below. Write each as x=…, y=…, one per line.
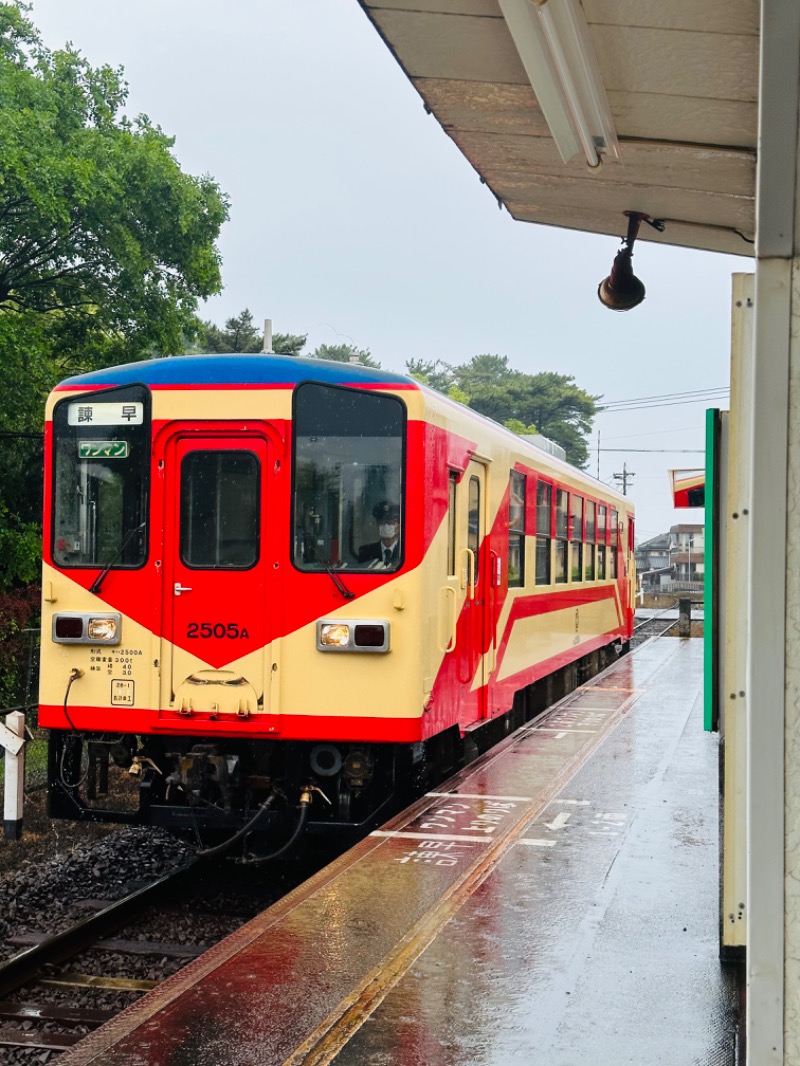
x=518, y=427
x=19, y=610
x=242, y=335
x=345, y=353
x=105, y=249
x=20, y=550
x=288, y=343
x=435, y=373
x=99, y=227
x=239, y=335
x=547, y=403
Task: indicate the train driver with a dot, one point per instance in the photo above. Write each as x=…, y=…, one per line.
x=383, y=553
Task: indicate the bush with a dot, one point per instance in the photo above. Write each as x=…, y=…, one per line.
x=19, y=611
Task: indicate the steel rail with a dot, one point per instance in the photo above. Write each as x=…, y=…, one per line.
x=23, y=967
x=653, y=618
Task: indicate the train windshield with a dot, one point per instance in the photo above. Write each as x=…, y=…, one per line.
x=101, y=461
x=348, y=479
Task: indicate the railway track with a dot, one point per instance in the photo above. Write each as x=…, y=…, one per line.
x=657, y=626
x=60, y=986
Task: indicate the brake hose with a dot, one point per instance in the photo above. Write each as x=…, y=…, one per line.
x=206, y=853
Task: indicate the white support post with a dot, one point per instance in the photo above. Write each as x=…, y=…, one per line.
x=12, y=738
x=773, y=633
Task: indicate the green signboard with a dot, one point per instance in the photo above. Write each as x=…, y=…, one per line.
x=102, y=449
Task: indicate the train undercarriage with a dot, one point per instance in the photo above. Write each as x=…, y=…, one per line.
x=245, y=797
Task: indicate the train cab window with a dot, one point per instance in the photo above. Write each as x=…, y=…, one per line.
x=577, y=538
x=219, y=516
x=544, y=513
x=348, y=484
x=589, y=549
x=518, y=486
x=101, y=451
x=562, y=543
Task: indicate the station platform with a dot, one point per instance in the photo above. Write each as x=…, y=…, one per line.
x=555, y=904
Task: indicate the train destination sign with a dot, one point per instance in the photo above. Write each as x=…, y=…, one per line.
x=106, y=414
x=102, y=449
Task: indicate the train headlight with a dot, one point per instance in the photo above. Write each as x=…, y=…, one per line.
x=104, y=629
x=334, y=635
x=356, y=634
x=87, y=628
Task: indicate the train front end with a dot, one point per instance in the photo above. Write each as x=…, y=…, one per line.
x=222, y=622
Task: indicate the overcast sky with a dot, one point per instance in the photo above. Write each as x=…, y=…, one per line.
x=355, y=219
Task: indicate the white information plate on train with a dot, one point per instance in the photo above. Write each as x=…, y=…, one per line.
x=106, y=414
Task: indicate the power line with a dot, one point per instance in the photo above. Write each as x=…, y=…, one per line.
x=648, y=406
x=658, y=397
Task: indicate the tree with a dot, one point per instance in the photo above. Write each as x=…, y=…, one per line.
x=345, y=353
x=98, y=224
x=519, y=428
x=484, y=371
x=238, y=335
x=288, y=343
x=435, y=373
x=241, y=335
x=550, y=402
x=105, y=249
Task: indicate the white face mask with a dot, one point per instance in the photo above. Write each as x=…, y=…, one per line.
x=387, y=530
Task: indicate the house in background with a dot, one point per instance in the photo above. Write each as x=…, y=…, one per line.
x=687, y=556
x=652, y=562
x=674, y=561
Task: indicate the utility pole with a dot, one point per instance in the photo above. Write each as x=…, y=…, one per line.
x=624, y=477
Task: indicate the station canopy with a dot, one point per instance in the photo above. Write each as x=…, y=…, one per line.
x=574, y=114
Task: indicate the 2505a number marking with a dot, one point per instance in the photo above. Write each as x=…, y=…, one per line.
x=218, y=630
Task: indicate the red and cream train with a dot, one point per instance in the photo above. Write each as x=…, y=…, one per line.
x=218, y=619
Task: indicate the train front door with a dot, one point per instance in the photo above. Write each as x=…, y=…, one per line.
x=471, y=646
x=216, y=574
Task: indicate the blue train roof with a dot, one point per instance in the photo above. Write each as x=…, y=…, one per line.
x=237, y=369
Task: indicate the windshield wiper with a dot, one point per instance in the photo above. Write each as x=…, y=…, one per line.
x=340, y=585
x=98, y=581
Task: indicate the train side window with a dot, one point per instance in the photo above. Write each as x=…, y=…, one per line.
x=516, y=529
x=589, y=550
x=219, y=516
x=562, y=543
x=544, y=513
x=612, y=551
x=451, y=523
x=577, y=537
x=474, y=521
x=348, y=481
x=602, y=550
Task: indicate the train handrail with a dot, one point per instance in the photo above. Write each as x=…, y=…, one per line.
x=470, y=580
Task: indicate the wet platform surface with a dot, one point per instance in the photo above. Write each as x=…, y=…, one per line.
x=557, y=905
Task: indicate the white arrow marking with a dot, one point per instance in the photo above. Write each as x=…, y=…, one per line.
x=559, y=821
